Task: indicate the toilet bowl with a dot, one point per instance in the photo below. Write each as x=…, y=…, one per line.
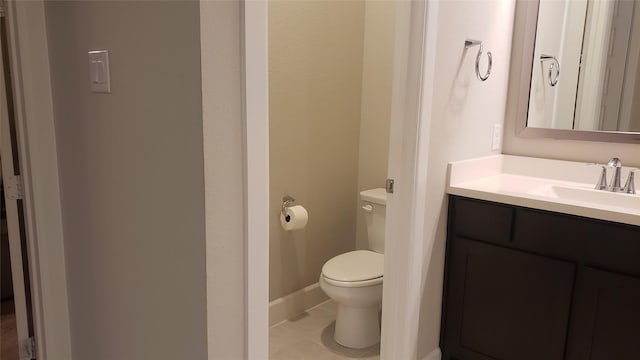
x=354, y=280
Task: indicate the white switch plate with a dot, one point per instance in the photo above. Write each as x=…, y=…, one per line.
x=497, y=137
x=99, y=77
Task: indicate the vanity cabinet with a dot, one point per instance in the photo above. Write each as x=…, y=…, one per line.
x=525, y=284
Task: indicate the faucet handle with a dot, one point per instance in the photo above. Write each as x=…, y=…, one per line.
x=602, y=182
x=630, y=185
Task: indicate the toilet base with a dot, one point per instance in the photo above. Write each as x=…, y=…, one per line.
x=357, y=327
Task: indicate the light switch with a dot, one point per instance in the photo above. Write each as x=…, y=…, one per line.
x=99, y=71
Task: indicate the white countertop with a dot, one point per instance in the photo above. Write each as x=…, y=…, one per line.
x=552, y=185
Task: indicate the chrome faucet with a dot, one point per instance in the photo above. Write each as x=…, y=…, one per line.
x=615, y=179
x=616, y=164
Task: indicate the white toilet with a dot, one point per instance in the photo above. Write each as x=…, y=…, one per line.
x=354, y=279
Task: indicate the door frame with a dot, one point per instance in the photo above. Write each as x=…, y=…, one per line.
x=13, y=206
x=255, y=69
x=29, y=63
x=408, y=161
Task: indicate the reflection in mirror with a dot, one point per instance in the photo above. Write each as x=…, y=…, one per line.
x=585, y=73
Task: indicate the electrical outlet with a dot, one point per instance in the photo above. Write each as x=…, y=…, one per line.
x=497, y=137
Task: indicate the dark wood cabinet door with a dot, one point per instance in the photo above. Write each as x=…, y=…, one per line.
x=606, y=317
x=506, y=304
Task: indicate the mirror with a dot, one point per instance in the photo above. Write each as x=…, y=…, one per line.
x=581, y=59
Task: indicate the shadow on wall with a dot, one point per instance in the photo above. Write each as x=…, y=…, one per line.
x=433, y=280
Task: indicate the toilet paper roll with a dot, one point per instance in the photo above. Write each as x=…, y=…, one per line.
x=296, y=218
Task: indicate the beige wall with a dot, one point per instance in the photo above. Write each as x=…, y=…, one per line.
x=131, y=178
x=377, y=72
x=315, y=76
x=462, y=114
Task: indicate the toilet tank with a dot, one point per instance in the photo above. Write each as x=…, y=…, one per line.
x=374, y=205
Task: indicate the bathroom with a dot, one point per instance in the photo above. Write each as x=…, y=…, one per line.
x=116, y=160
x=330, y=73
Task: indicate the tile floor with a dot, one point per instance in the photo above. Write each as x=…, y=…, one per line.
x=310, y=336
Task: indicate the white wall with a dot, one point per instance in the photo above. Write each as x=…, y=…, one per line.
x=569, y=57
x=224, y=196
x=542, y=98
x=461, y=120
x=131, y=178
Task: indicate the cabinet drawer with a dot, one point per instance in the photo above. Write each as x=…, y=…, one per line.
x=481, y=220
x=604, y=245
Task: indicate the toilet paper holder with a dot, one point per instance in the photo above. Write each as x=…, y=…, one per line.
x=286, y=202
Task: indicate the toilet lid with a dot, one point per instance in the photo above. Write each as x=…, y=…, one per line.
x=359, y=265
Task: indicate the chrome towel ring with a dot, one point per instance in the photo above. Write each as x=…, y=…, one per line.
x=553, y=81
x=471, y=43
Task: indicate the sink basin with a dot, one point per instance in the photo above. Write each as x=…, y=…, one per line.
x=588, y=195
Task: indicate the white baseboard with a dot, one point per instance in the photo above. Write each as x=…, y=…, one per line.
x=434, y=355
x=296, y=303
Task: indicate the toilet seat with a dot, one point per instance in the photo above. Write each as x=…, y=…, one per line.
x=354, y=269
